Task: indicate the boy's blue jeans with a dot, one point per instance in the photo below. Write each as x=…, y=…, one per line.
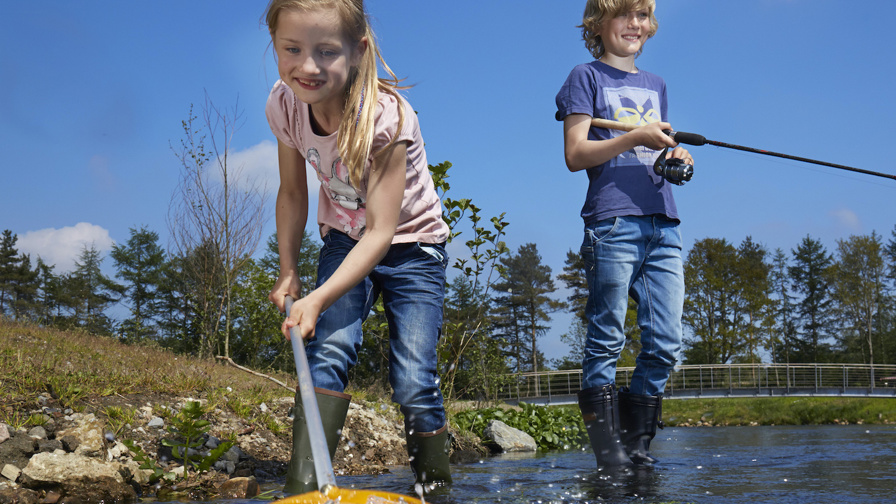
x=638, y=257
x=411, y=279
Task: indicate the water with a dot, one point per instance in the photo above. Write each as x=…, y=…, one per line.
x=844, y=464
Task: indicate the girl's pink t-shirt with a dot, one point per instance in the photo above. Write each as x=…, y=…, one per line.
x=343, y=206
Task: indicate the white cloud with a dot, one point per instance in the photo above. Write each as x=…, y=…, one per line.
x=847, y=219
x=62, y=247
x=259, y=164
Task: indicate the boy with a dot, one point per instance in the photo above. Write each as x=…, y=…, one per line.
x=632, y=244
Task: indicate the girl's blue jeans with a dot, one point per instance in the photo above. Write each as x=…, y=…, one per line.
x=411, y=279
x=638, y=257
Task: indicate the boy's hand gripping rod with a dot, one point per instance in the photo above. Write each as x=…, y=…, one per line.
x=695, y=139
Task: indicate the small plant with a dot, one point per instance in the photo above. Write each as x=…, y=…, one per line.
x=189, y=429
x=552, y=428
x=119, y=417
x=147, y=463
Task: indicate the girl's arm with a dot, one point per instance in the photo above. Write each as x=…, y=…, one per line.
x=291, y=216
x=582, y=153
x=385, y=191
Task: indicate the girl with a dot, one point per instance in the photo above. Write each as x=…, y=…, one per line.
x=379, y=216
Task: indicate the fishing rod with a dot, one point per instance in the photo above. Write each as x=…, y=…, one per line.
x=695, y=139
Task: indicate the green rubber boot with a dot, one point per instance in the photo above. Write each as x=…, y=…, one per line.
x=428, y=455
x=300, y=477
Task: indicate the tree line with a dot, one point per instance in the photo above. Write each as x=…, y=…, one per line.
x=206, y=294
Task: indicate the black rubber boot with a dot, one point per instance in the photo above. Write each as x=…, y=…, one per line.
x=601, y=415
x=639, y=415
x=428, y=455
x=300, y=476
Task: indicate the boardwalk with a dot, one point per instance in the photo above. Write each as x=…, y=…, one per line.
x=722, y=380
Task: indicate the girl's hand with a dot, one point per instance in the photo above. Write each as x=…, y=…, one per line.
x=303, y=315
x=681, y=153
x=287, y=284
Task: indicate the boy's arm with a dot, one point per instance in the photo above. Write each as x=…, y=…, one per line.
x=582, y=153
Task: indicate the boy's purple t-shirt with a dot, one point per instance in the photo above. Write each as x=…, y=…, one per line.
x=625, y=185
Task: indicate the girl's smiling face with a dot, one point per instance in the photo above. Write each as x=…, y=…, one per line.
x=314, y=58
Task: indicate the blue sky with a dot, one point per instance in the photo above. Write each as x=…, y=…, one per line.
x=92, y=93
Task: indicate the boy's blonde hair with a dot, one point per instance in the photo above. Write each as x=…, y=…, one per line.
x=355, y=134
x=598, y=11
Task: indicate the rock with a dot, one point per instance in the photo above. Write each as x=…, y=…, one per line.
x=49, y=445
x=156, y=423
x=38, y=432
x=4, y=432
x=17, y=450
x=77, y=478
x=89, y=431
x=239, y=488
x=509, y=439
x=19, y=496
x=232, y=455
x=69, y=443
x=51, y=498
x=225, y=466
x=10, y=472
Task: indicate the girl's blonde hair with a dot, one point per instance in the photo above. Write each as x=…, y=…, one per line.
x=355, y=134
x=598, y=11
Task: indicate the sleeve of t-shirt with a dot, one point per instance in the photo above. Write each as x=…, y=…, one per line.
x=386, y=122
x=577, y=96
x=280, y=111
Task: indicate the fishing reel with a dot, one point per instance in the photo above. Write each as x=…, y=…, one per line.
x=673, y=169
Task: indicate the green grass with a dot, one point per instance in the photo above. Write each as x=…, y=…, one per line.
x=78, y=369
x=779, y=411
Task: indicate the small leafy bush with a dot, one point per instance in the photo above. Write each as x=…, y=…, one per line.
x=553, y=428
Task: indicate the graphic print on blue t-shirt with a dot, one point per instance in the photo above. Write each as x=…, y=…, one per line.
x=637, y=106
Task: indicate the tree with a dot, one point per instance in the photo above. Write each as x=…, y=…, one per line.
x=8, y=266
x=524, y=301
x=858, y=290
x=91, y=293
x=709, y=308
x=139, y=265
x=215, y=209
x=469, y=353
x=784, y=338
x=754, y=294
x=811, y=277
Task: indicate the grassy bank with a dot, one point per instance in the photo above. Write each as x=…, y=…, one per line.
x=779, y=411
x=79, y=369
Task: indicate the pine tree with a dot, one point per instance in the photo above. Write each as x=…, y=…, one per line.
x=810, y=277
x=524, y=302
x=139, y=265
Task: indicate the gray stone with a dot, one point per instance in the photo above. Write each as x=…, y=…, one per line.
x=4, y=432
x=85, y=478
x=89, y=431
x=156, y=423
x=225, y=466
x=17, y=449
x=10, y=472
x=233, y=454
x=69, y=443
x=38, y=432
x=509, y=439
x=49, y=445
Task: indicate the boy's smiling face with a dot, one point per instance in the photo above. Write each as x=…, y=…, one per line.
x=624, y=35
